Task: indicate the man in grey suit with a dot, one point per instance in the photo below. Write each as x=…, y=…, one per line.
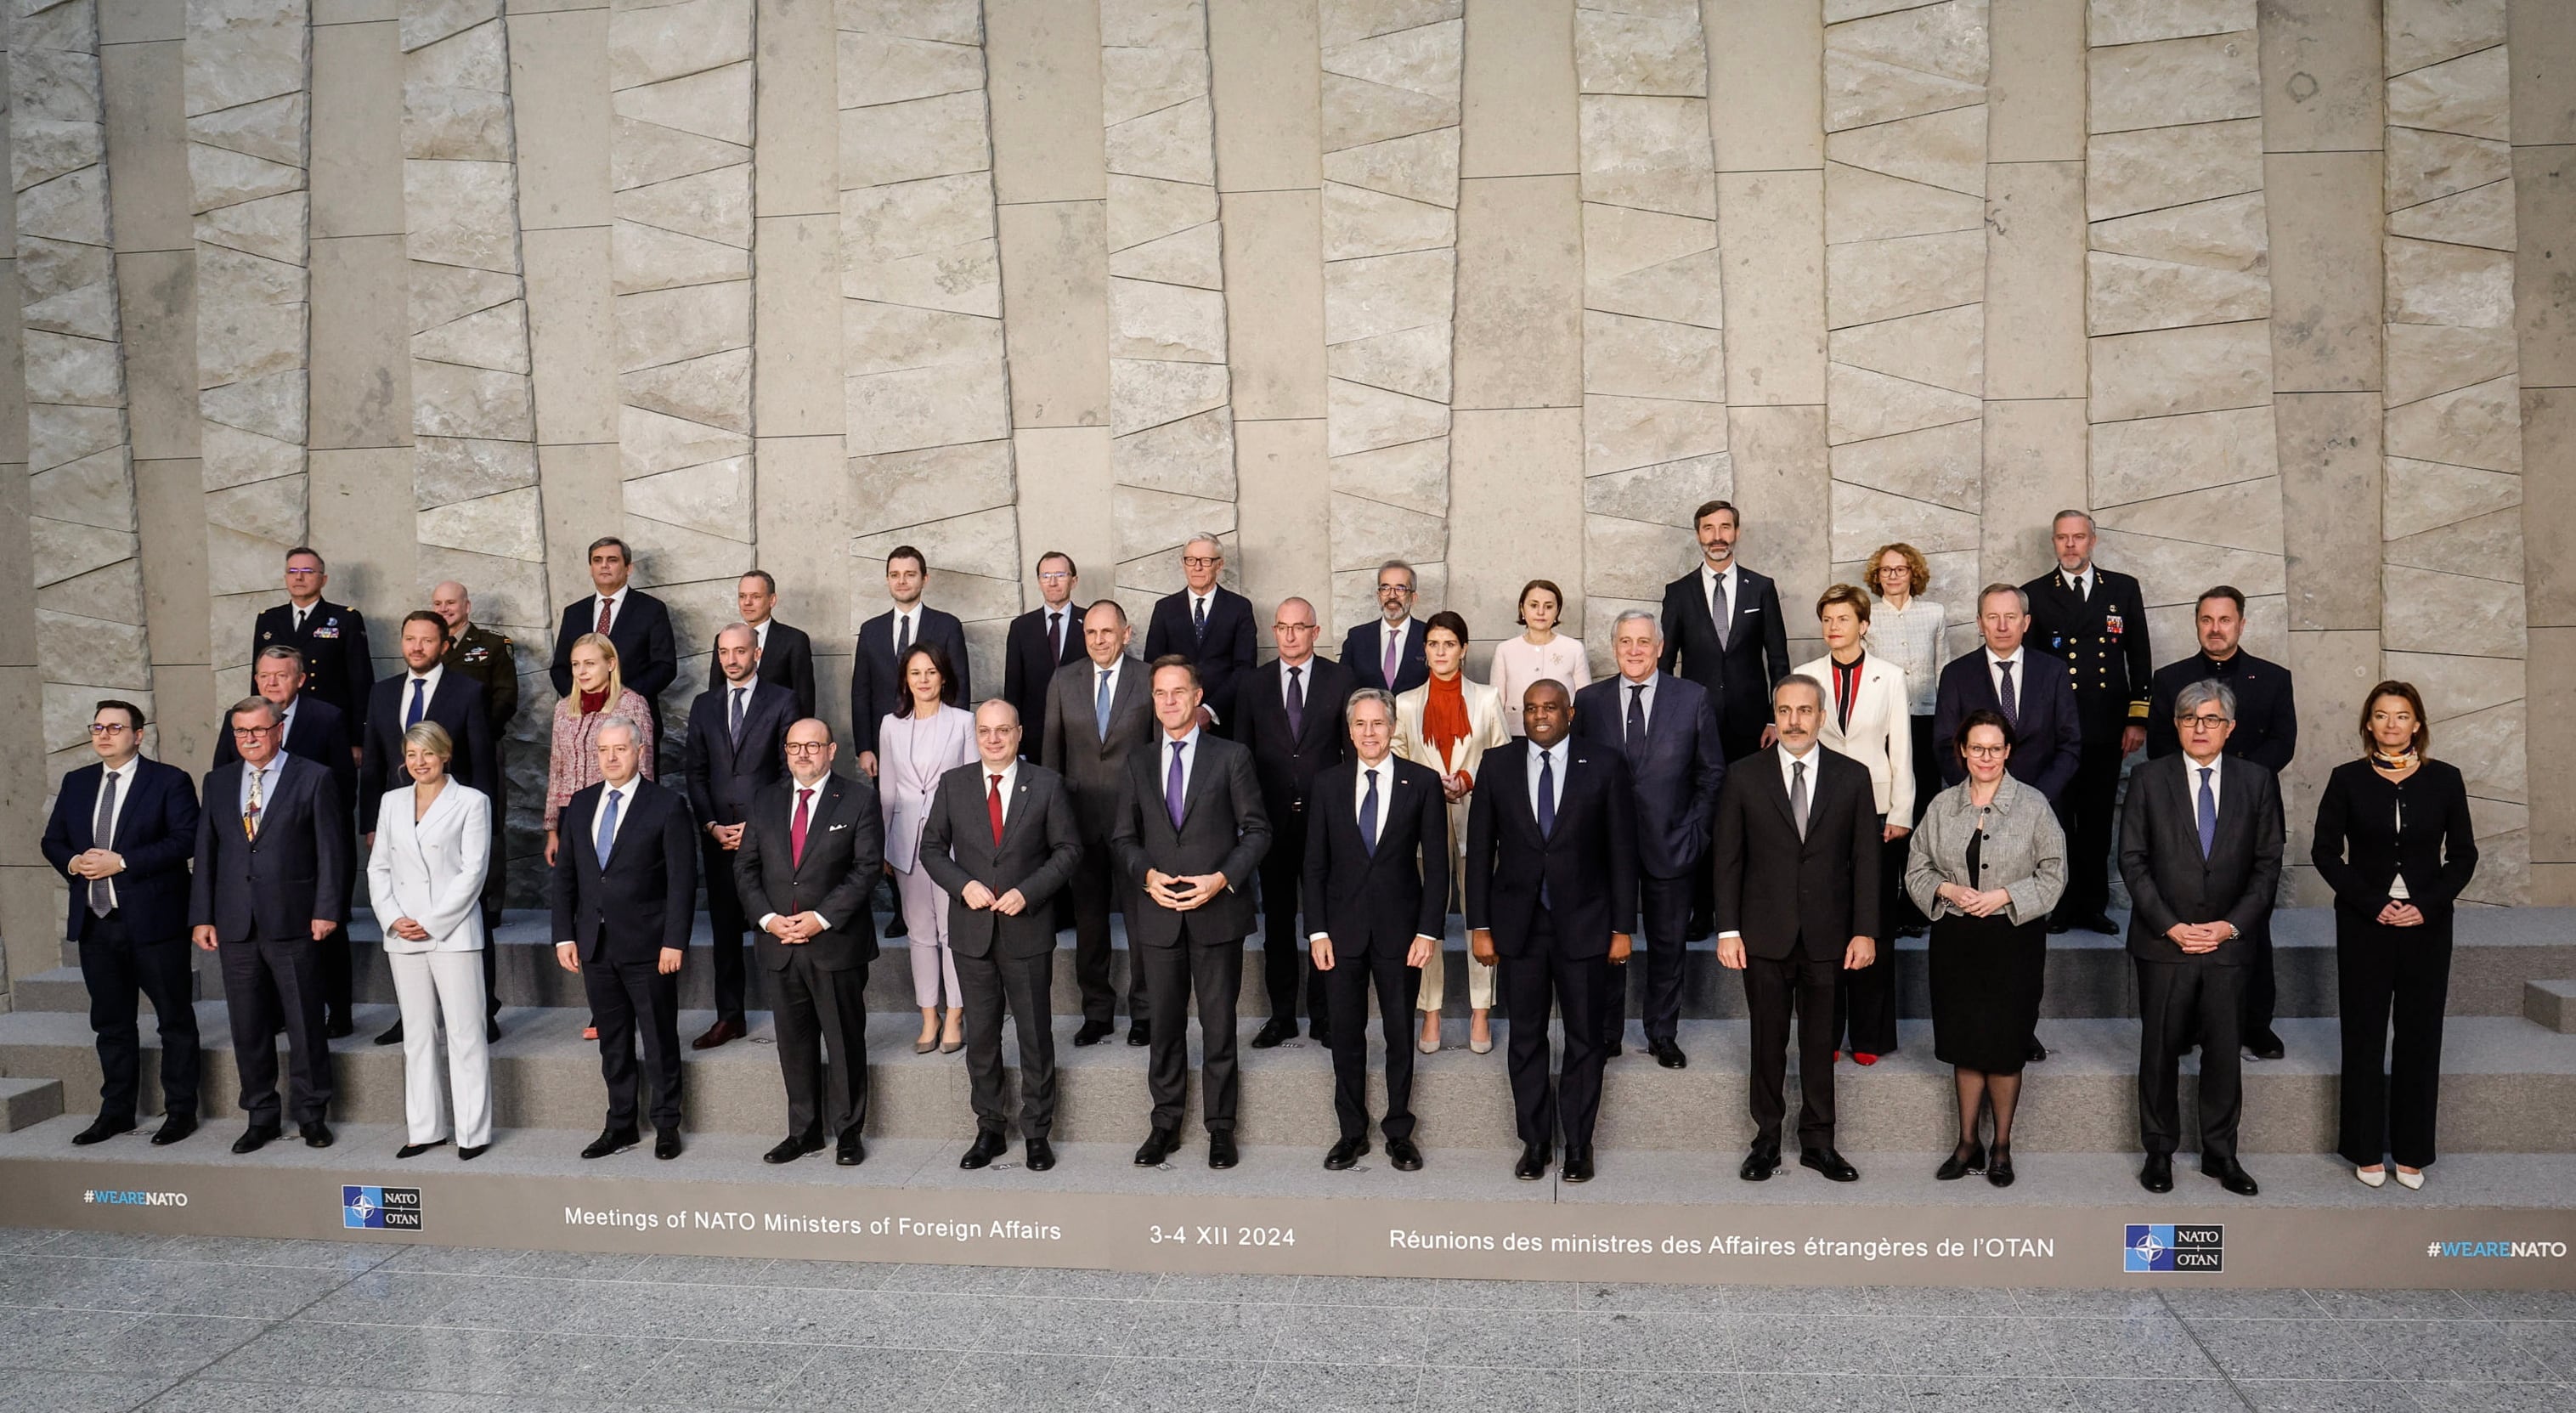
x=1000, y=841
x=1190, y=832
x=1099, y=711
x=273, y=851
x=2200, y=850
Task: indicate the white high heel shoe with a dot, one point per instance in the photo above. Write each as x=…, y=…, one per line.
x=2412, y=1182
x=2372, y=1177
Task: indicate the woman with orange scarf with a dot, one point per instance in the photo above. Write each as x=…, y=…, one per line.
x=1448, y=723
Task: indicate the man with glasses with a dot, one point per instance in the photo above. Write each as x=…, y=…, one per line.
x=271, y=884
x=786, y=654
x=1386, y=652
x=1209, y=624
x=122, y=833
x=1292, y=721
x=311, y=729
x=332, y=638
x=1040, y=642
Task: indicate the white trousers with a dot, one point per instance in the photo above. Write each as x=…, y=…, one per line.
x=925, y=916
x=436, y=986
x=1480, y=978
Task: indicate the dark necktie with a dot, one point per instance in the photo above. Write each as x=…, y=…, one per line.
x=796, y=828
x=604, y=606
x=419, y=689
x=993, y=807
x=2010, y=699
x=1546, y=811
x=1368, y=816
x=1297, y=706
x=1172, y=786
x=1198, y=616
x=1055, y=638
x=102, y=832
x=2208, y=811
x=1636, y=738
x=1720, y=612
x=1389, y=663
x=902, y=639
x=734, y=731
x=1798, y=795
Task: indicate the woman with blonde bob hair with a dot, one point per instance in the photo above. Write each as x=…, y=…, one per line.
x=425, y=881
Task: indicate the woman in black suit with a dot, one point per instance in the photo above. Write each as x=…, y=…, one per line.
x=2393, y=841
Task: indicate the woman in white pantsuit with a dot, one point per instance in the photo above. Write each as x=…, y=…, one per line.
x=923, y=741
x=1448, y=723
x=425, y=880
x=1868, y=717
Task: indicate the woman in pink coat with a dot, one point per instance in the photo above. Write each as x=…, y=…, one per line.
x=920, y=741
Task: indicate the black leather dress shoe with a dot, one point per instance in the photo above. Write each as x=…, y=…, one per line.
x=850, y=1151
x=414, y=1150
x=390, y=1035
x=2058, y=926
x=2101, y=923
x=717, y=1034
x=173, y=1129
x=1320, y=1032
x=1221, y=1151
x=1093, y=1032
x=101, y=1130
x=1959, y=1164
x=1760, y=1164
x=1158, y=1145
x=1614, y=1047
x=1578, y=1164
x=1274, y=1031
x=256, y=1137
x=2038, y=1052
x=491, y=1035
x=988, y=1146
x=1830, y=1163
x=2232, y=1176
x=791, y=1149
x=2157, y=1175
x=1533, y=1163
x=666, y=1144
x=1345, y=1155
x=612, y=1140
x=1039, y=1157
x=2265, y=1046
x=316, y=1134
x=1403, y=1155
x=472, y=1151
x=1140, y=1034
x=1999, y=1169
x=1668, y=1053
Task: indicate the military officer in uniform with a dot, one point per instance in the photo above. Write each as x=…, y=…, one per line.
x=2096, y=620
x=487, y=656
x=332, y=637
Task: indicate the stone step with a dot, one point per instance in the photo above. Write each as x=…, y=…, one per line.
x=2509, y=1086
x=25, y=1102
x=2550, y=1003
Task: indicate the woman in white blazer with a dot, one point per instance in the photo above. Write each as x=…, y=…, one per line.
x=425, y=880
x=1869, y=717
x=1448, y=723
x=924, y=739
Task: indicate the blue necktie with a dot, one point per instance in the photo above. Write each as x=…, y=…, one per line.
x=1100, y=706
x=1368, y=817
x=607, y=828
x=2208, y=812
x=419, y=687
x=1198, y=617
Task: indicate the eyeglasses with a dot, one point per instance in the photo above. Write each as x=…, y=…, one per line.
x=1292, y=627
x=1404, y=589
x=252, y=733
x=807, y=748
x=107, y=728
x=1201, y=561
x=1053, y=576
x=2203, y=723
x=1985, y=752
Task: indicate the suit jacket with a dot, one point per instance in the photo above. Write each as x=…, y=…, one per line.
x=1881, y=735
x=2103, y=642
x=2049, y=741
x=1587, y=865
x=1364, y=653
x=648, y=661
x=296, y=872
x=1675, y=779
x=1286, y=762
x=724, y=776
x=2169, y=881
x=844, y=852
x=156, y=831
x=2365, y=839
x=431, y=869
x=1223, y=829
x=786, y=660
x=458, y=705
x=2267, y=709
x=1783, y=893
x=875, y=690
x=334, y=641
x=491, y=660
x=1739, y=676
x=318, y=733
x=1094, y=768
x=1225, y=652
x=1029, y=665
x=643, y=896
x=1038, y=852
x=1374, y=902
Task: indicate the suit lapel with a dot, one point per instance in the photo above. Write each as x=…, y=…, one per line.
x=1776, y=790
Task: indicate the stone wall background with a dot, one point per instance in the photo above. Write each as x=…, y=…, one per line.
x=452, y=287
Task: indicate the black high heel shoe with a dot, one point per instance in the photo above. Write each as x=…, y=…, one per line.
x=1999, y=1166
x=1965, y=1159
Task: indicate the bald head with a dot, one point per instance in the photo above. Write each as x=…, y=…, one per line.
x=450, y=601
x=997, y=733
x=737, y=652
x=1293, y=629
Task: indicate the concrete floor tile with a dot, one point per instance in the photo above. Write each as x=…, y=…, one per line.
x=2495, y=1398
x=1351, y=1335
x=1335, y=1388
x=2477, y=1351
x=2289, y=1349
x=1202, y=1330
x=68, y=1391
x=2328, y=1396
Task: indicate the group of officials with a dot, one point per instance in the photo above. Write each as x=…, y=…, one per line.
x=1705, y=787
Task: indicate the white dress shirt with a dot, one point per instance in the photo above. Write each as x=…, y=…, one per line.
x=614, y=603
x=1734, y=592
x=428, y=692
x=906, y=628
x=1558, y=755
x=1360, y=769
x=2217, y=786
x=2081, y=583
x=625, y=806
x=121, y=779
x=1788, y=772
x=1392, y=633
x=1010, y=773
x=1645, y=703
x=2019, y=659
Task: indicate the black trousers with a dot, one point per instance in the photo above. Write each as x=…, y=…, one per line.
x=1213, y=971
x=627, y=997
x=1865, y=1000
x=1774, y=990
x=818, y=1009
x=1579, y=989
x=1664, y=905
x=116, y=968
x=1284, y=962
x=2179, y=1002
x=2262, y=989
x=1927, y=783
x=1346, y=989
x=725, y=920
x=2087, y=811
x=290, y=970
x=2392, y=1091
x=987, y=984
x=1097, y=891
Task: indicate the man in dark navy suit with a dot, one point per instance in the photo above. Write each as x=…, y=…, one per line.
x=737, y=747
x=1723, y=630
x=1666, y=731
x=875, y=685
x=2026, y=685
x=635, y=621
x=1552, y=892
x=786, y=653
x=1292, y=720
x=313, y=730
x=1392, y=640
x=332, y=638
x=271, y=882
x=1209, y=624
x=1040, y=641
x=122, y=832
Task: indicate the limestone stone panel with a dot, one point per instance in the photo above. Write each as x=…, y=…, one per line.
x=2168, y=371
x=797, y=357
x=2544, y=95
x=1064, y=502
x=1650, y=358
x=2424, y=359
x=2544, y=189
x=1517, y=90
x=1866, y=281
x=1936, y=465
x=147, y=146
x=2326, y=326
x=2163, y=83
x=1520, y=293
x=1648, y=153
x=2473, y=426
x=1044, y=59
x=2124, y=294
x=1287, y=540
x=2321, y=65
x=157, y=306
x=2432, y=612
x=1620, y=433
x=1276, y=322
x=1516, y=509
x=2549, y=507
x=2466, y=95
x=1262, y=60
x=1782, y=473
x=2433, y=282
x=1766, y=87
x=1864, y=205
x=2425, y=166
x=1771, y=232
x=2035, y=457
x=2128, y=172
x=559, y=106
x=572, y=330
x=2034, y=280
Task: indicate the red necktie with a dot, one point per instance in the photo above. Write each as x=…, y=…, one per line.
x=796, y=829
x=603, y=616
x=993, y=807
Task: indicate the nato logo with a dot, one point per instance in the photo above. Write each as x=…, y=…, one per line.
x=380, y=1208
x=2163, y=1248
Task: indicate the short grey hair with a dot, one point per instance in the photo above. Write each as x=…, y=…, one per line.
x=258, y=704
x=2194, y=695
x=282, y=652
x=1800, y=679
x=1379, y=695
x=738, y=623
x=1647, y=614
x=2070, y=514
x=2020, y=595
x=1207, y=538
x=1411, y=578
x=617, y=722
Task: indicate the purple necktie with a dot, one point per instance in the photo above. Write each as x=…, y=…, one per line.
x=1296, y=704
x=1394, y=640
x=1172, y=785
